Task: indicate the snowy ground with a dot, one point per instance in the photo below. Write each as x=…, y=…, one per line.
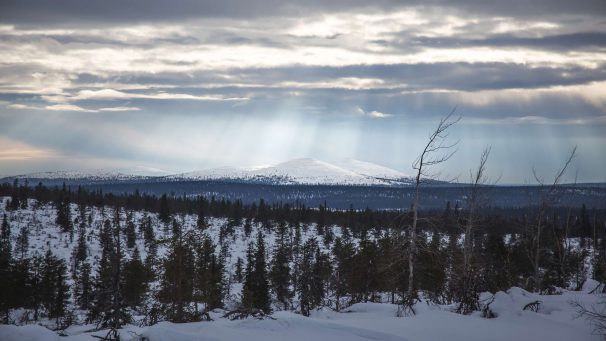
x=554, y=321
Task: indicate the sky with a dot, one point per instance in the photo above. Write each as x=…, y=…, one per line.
x=183, y=85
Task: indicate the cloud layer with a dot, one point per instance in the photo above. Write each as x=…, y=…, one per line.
x=345, y=68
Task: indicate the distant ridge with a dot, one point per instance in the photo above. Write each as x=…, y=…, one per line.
x=303, y=171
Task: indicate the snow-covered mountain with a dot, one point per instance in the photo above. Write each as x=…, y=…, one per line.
x=298, y=171
x=306, y=171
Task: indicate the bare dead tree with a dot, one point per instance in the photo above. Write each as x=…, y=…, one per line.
x=435, y=152
x=469, y=299
x=563, y=245
x=549, y=195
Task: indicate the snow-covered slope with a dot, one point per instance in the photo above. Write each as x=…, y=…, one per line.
x=97, y=174
x=213, y=174
x=370, y=169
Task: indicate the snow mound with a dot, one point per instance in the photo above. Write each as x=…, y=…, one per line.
x=592, y=286
x=30, y=333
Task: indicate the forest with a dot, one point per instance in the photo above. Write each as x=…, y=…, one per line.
x=157, y=261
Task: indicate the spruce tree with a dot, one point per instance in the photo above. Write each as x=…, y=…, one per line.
x=21, y=281
x=321, y=273
x=256, y=286
x=261, y=286
x=201, y=222
x=280, y=273
x=164, y=213
x=14, y=203
x=62, y=204
x=177, y=280
x=5, y=238
x=305, y=285
x=209, y=275
x=53, y=286
x=23, y=242
x=108, y=308
x=148, y=231
x=130, y=231
x=6, y=281
x=80, y=251
x=83, y=287
x=495, y=272
x=35, y=278
x=134, y=281
x=343, y=251
x=432, y=266
x=247, y=293
x=238, y=273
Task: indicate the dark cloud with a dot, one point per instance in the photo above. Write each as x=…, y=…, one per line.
x=66, y=11
x=422, y=76
x=561, y=42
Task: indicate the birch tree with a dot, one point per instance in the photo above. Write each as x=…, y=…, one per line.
x=437, y=150
x=548, y=197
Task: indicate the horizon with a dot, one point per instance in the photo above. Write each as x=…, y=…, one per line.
x=145, y=172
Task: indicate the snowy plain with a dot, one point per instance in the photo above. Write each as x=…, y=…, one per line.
x=365, y=321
